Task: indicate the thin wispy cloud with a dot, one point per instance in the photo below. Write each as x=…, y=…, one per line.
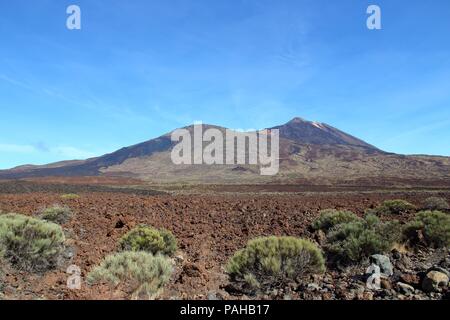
x=17, y=83
x=16, y=148
x=62, y=152
x=68, y=152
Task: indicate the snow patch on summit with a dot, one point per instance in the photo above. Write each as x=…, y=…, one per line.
x=318, y=125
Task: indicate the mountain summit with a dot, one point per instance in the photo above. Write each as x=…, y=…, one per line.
x=310, y=153
x=312, y=132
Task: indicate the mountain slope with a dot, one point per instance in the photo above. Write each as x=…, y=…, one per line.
x=308, y=132
x=310, y=153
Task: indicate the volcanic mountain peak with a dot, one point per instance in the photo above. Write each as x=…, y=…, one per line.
x=310, y=151
x=313, y=132
x=300, y=120
x=297, y=120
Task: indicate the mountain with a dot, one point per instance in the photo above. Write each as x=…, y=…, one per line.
x=302, y=131
x=310, y=153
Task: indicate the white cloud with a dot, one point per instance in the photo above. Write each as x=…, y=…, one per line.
x=72, y=152
x=16, y=148
x=60, y=152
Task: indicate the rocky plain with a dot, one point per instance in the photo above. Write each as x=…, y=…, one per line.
x=210, y=226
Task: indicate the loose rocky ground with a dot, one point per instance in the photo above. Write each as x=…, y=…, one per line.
x=210, y=228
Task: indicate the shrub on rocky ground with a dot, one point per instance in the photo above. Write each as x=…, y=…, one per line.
x=170, y=242
x=330, y=218
x=30, y=244
x=57, y=214
x=274, y=262
x=70, y=196
x=431, y=228
x=149, y=239
x=142, y=273
x=353, y=241
x=436, y=203
x=394, y=207
x=2, y=266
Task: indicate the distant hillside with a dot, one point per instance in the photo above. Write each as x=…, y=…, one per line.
x=310, y=153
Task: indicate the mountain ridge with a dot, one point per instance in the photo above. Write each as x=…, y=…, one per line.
x=309, y=151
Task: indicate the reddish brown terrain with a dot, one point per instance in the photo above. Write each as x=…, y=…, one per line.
x=210, y=227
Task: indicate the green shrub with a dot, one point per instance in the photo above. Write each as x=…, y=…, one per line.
x=30, y=244
x=353, y=241
x=57, y=214
x=330, y=218
x=141, y=272
x=436, y=203
x=2, y=272
x=170, y=242
x=274, y=261
x=395, y=207
x=429, y=227
x=144, y=238
x=70, y=196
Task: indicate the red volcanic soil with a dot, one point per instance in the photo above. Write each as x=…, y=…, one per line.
x=100, y=180
x=210, y=228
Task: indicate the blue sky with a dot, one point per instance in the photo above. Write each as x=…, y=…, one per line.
x=141, y=68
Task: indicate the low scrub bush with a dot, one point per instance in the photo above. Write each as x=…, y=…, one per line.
x=144, y=238
x=141, y=272
x=395, y=207
x=353, y=241
x=70, y=196
x=30, y=244
x=330, y=218
x=436, y=203
x=57, y=214
x=274, y=261
x=431, y=228
x=3, y=263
